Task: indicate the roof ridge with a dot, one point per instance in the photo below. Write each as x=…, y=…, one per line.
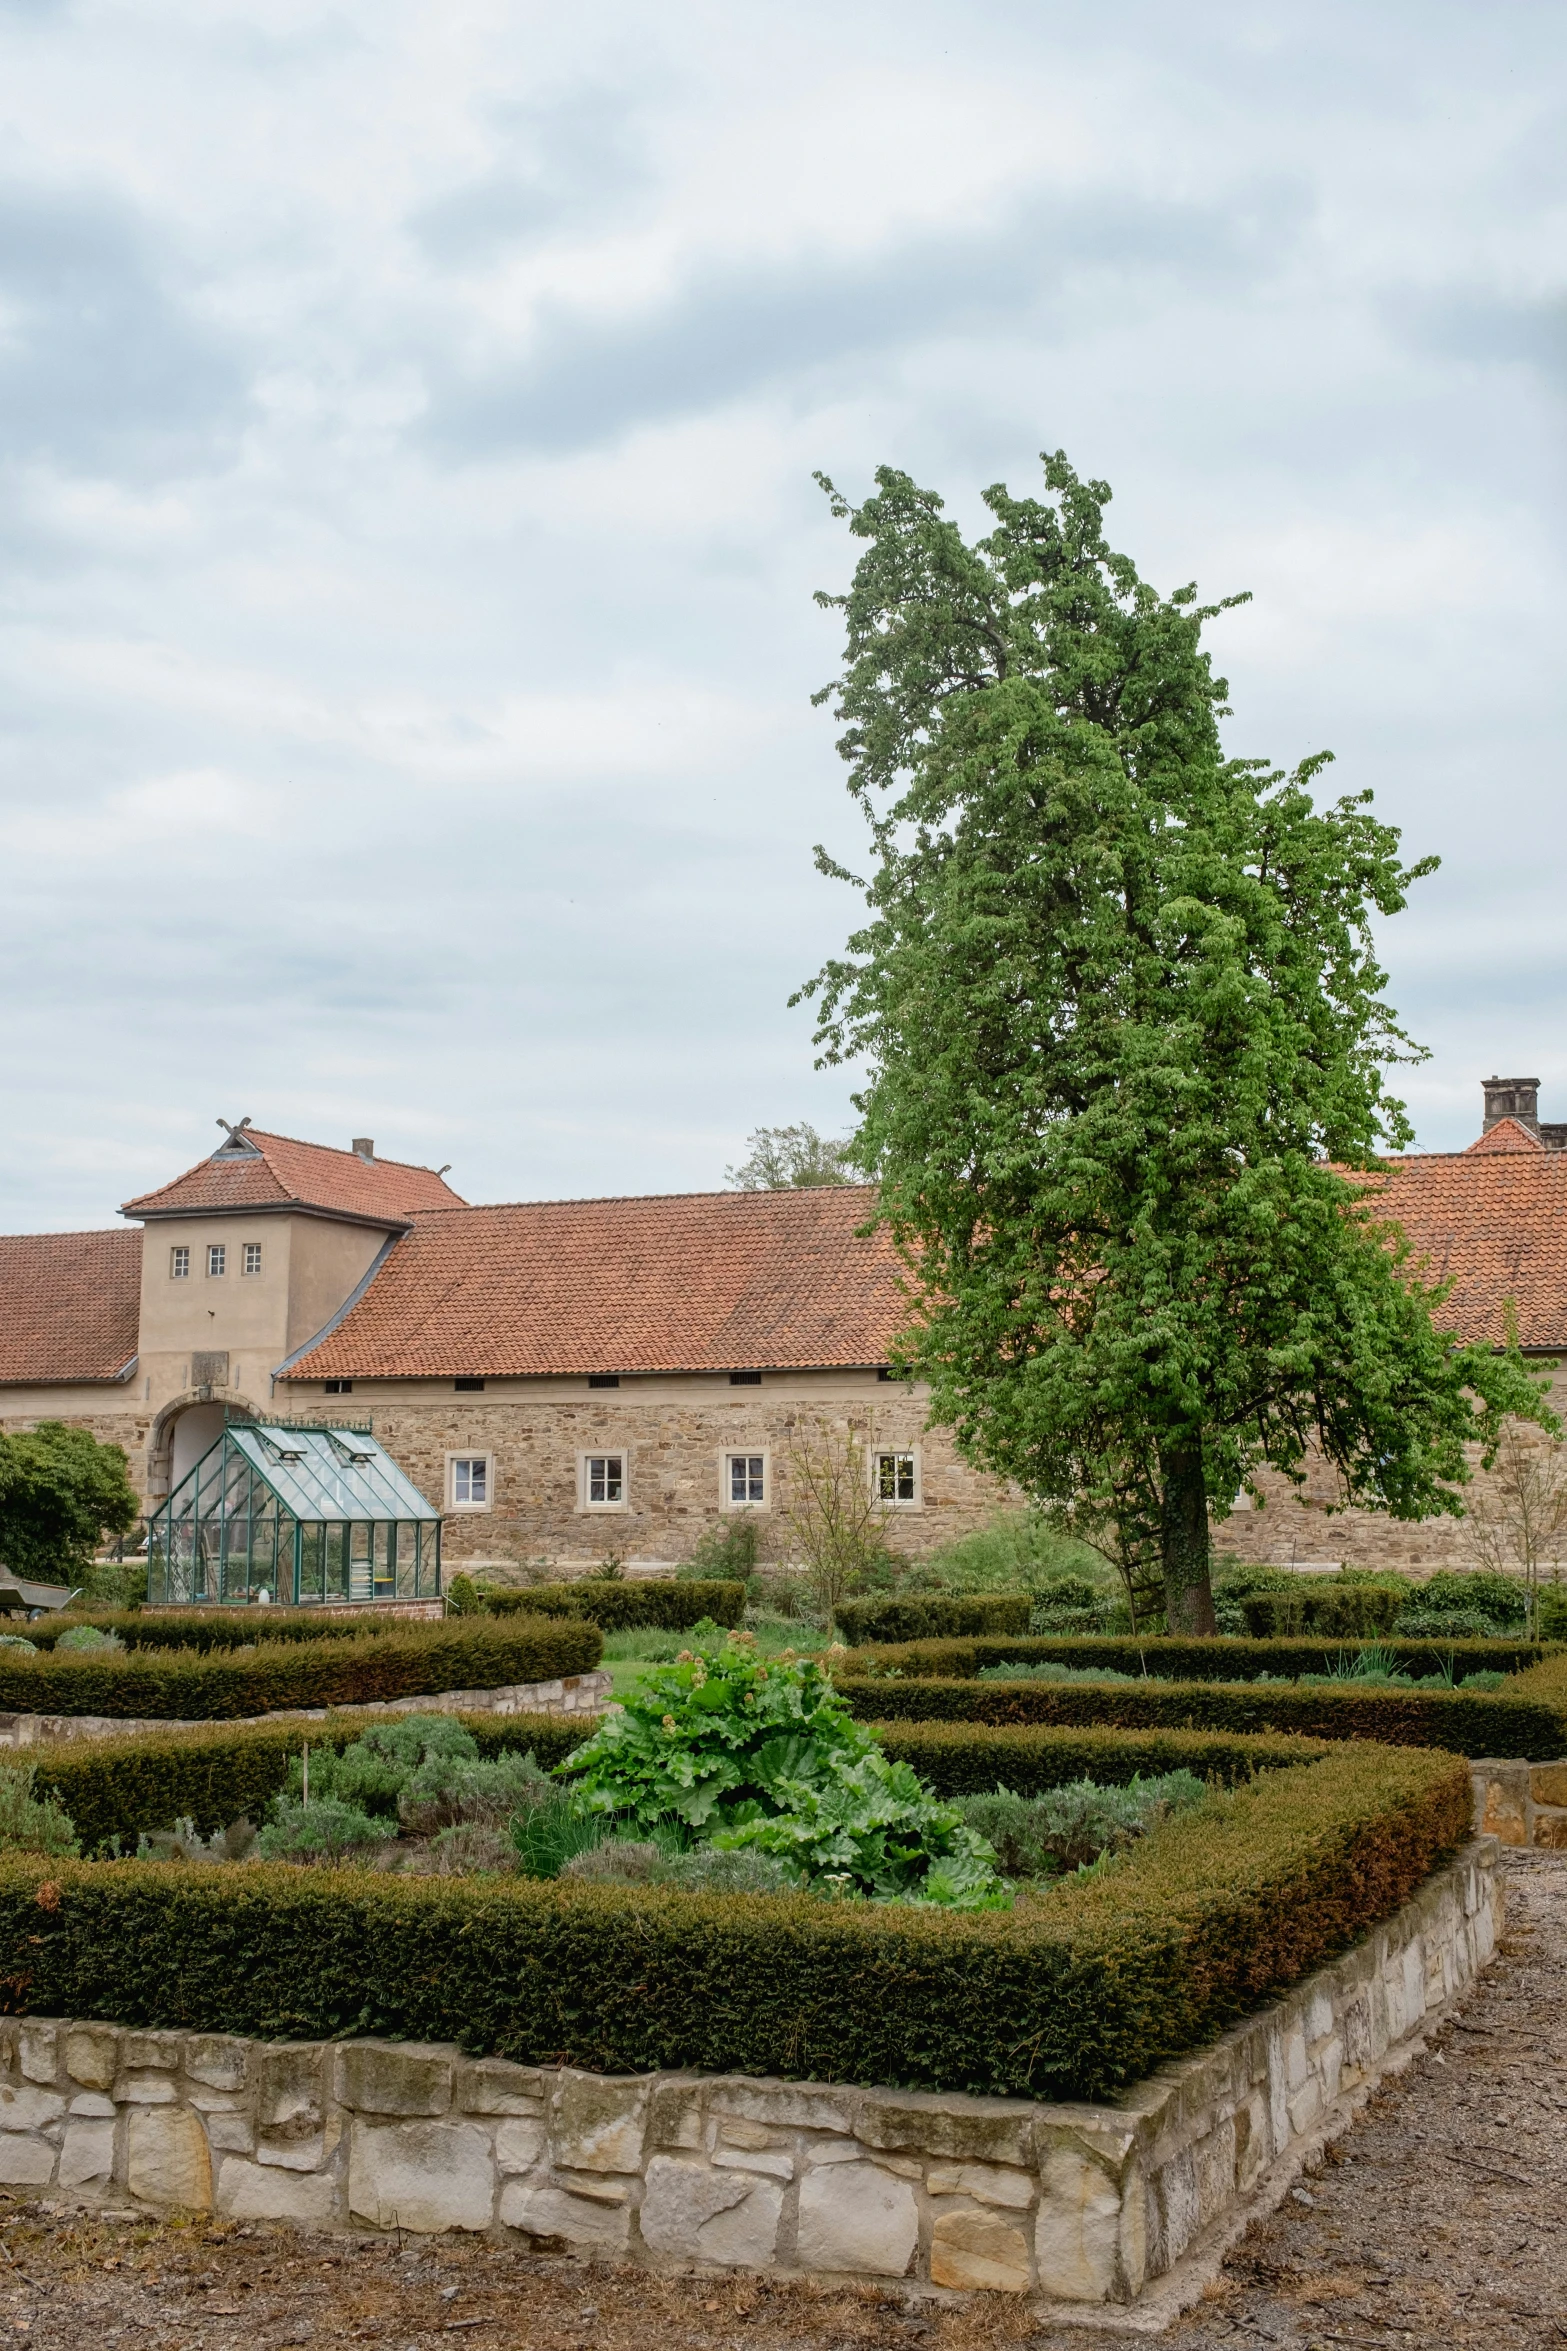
x=75, y=1233
x=342, y=1151
x=631, y=1199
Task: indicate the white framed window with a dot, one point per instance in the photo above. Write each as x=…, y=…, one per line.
x=179, y=1264
x=250, y=1260
x=895, y=1476
x=603, y=1481
x=217, y=1257
x=470, y=1481
x=745, y=1481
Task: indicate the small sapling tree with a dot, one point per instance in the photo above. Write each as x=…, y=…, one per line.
x=1125, y=1027
x=61, y=1495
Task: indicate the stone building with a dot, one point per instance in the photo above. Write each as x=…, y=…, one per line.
x=568, y=1380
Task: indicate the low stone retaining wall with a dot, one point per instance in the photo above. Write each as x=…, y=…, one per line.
x=1521, y=1803
x=572, y=1693
x=1076, y=2204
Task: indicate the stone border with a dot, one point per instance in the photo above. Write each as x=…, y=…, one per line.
x=1521, y=1803
x=572, y=1693
x=1109, y=2213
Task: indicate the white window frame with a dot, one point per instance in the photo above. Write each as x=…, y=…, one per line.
x=249, y=1250
x=726, y=1501
x=466, y=1454
x=220, y=1251
x=585, y=1459
x=179, y=1262
x=909, y=1453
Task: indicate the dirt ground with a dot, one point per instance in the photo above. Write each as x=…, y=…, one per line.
x=1441, y=2219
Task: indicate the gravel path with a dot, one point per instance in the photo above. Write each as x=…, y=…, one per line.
x=1440, y=2220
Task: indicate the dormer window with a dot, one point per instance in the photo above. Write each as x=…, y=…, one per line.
x=217, y=1258
x=179, y=1265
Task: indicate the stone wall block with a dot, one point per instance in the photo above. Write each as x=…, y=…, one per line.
x=784, y=2105
x=218, y=2060
x=676, y=2115
x=597, y=2123
x=975, y=2246
x=288, y=2086
x=87, y=2154
x=986, y=2183
x=421, y=2175
x=25, y=2161
x=777, y=2166
x=92, y=2103
x=146, y=2089
x=230, y=2134
x=1550, y=1828
x=167, y=2161
x=160, y=2052
x=489, y=2085
x=1213, y=2165
x=1176, y=2187
x=697, y=2214
x=396, y=2077
x=1253, y=2151
x=542, y=2210
x=990, y=2130
x=92, y=2055
x=38, y=2049
x=1077, y=2231
x=1548, y=1782
x=247, y=2192
x=858, y=2217
x=519, y=2143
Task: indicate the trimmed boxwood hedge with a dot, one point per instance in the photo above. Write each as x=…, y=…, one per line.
x=216, y=1628
x=1221, y=1659
x=623, y=1607
x=1073, y=1994
x=1529, y=1719
x=936, y=1617
x=116, y=1788
x=458, y=1655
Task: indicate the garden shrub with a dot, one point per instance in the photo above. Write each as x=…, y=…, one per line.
x=766, y=1757
x=933, y=1615
x=31, y=1822
x=1071, y=1604
x=1351, y=1612
x=1069, y=1827
x=1072, y=1995
x=1502, y=1599
x=1176, y=1659
x=1019, y=1551
x=406, y=1663
x=971, y=1758
x=627, y=1607
x=216, y=1628
x=1551, y=1604
x=87, y=1640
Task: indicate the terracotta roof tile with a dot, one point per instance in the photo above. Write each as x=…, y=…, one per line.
x=714, y=1281
x=1508, y=1134
x=1496, y=1227
x=282, y=1173
x=69, y=1304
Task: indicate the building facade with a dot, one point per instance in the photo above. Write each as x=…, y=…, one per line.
x=570, y=1381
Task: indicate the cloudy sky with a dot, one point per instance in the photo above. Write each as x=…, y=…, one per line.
x=407, y=415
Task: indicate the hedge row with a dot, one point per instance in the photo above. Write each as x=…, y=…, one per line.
x=936, y=1617
x=1071, y=1995
x=179, y=1684
x=1531, y=1723
x=215, y=1628
x=622, y=1607
x=116, y=1788
x=1211, y=1660
x=1364, y=1612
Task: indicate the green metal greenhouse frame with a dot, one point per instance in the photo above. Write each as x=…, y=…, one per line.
x=294, y=1512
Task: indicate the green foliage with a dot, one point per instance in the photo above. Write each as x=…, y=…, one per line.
x=549, y=1835
x=62, y=1494
x=463, y=1597
x=30, y=1822
x=216, y=1628
x=114, y=1583
x=1170, y=1658
x=1069, y=1827
x=1348, y=1611
x=765, y=1757
x=1552, y=1603
x=624, y=1607
x=1047, y=1670
x=1019, y=1551
x=929, y=1616
x=971, y=1758
x=1120, y=1002
x=1071, y=1604
x=88, y=1640
x=727, y=1553
x=1073, y=1995
x=1503, y=1599
x=781, y=1159
x=323, y=1830
x=401, y=1664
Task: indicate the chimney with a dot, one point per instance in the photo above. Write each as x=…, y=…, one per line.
x=1517, y=1098
x=365, y=1149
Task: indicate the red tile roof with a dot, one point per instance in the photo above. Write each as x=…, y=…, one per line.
x=1508, y=1134
x=1496, y=1226
x=69, y=1304
x=708, y=1281
x=282, y=1173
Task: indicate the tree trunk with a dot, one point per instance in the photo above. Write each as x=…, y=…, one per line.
x=1183, y=1535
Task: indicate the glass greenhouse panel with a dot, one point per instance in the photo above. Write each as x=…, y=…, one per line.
x=301, y=1514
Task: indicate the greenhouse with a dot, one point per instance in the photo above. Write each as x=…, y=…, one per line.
x=293, y=1513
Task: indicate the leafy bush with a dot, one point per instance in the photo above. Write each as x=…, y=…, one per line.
x=974, y=1759
x=624, y=1607
x=1477, y=1597
x=729, y=1553
x=216, y=1628
x=1019, y=1551
x=184, y=1842
x=420, y=1772
x=86, y=1640
x=1046, y=1670
x=323, y=1830
x=1324, y=1605
x=403, y=1664
x=1552, y=1605
x=1071, y=1826
x=30, y=1822
x=1073, y=1995
x=1223, y=1660
x=61, y=1493
x=758, y=1756
x=927, y=1616
x=1071, y=1604
x=1234, y=1583
x=463, y=1597
x=549, y=1835
x=15, y=1641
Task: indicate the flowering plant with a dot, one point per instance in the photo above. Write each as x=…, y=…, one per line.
x=766, y=1755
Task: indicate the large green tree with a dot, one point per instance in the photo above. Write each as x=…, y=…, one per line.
x=1125, y=1028
x=61, y=1495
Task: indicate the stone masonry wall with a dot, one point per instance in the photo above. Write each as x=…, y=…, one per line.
x=1075, y=2203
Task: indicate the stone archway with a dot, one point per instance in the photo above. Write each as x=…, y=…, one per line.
x=185, y=1428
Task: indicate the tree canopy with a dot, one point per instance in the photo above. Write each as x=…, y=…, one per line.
x=61, y=1495
x=781, y=1159
x=1126, y=1029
